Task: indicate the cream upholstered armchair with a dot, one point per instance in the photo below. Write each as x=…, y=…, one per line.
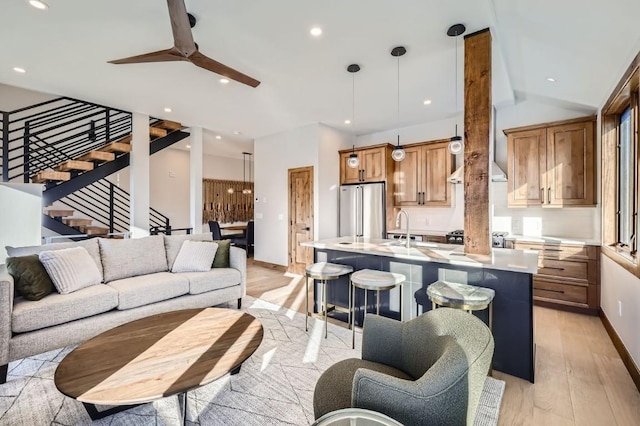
x=428, y=371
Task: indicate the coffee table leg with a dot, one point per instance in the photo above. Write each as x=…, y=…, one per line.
x=182, y=401
x=93, y=412
x=236, y=370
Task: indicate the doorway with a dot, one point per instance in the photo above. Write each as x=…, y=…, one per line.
x=300, y=218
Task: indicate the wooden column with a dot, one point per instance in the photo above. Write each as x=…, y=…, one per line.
x=477, y=125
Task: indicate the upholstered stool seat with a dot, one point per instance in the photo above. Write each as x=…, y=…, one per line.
x=462, y=296
x=369, y=279
x=324, y=272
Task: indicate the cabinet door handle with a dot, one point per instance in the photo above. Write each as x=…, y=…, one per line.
x=423, y=202
x=542, y=195
x=418, y=197
x=548, y=195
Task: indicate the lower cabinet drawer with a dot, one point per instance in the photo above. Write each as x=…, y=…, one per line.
x=560, y=291
x=563, y=268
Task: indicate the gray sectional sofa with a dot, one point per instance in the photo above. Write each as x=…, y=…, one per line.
x=137, y=283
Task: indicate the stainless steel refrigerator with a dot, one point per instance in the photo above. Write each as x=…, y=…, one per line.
x=362, y=210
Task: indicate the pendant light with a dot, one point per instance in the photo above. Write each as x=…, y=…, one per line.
x=353, y=161
x=246, y=190
x=455, y=146
x=398, y=153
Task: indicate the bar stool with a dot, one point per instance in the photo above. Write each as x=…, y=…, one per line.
x=462, y=296
x=324, y=272
x=369, y=279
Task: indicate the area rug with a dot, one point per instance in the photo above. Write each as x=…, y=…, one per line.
x=274, y=387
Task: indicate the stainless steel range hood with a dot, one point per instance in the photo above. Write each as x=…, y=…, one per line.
x=497, y=175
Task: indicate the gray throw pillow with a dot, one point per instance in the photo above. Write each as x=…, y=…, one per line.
x=195, y=256
x=70, y=269
x=30, y=279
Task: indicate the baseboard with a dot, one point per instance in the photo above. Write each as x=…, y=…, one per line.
x=622, y=350
x=273, y=266
x=568, y=308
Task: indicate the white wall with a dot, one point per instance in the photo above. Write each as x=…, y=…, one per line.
x=274, y=156
x=20, y=215
x=12, y=98
x=618, y=285
x=169, y=177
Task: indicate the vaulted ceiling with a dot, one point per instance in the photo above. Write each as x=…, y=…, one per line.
x=583, y=44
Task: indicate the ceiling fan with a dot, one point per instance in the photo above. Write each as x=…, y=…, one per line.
x=185, y=49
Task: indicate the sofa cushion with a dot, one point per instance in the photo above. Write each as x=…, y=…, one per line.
x=91, y=246
x=30, y=279
x=215, y=279
x=146, y=289
x=222, y=254
x=195, y=256
x=173, y=243
x=70, y=269
x=61, y=308
x=130, y=258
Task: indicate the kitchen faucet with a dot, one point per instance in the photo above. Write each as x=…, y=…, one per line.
x=406, y=217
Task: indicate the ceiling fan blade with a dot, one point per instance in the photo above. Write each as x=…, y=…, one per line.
x=207, y=63
x=166, y=55
x=182, y=37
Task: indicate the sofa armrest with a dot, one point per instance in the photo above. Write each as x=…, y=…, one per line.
x=6, y=309
x=238, y=260
x=378, y=329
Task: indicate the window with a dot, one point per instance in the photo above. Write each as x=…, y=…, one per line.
x=619, y=171
x=626, y=185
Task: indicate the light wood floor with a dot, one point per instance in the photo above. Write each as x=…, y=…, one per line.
x=580, y=379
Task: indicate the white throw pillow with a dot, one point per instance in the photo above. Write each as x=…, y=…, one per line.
x=70, y=269
x=195, y=256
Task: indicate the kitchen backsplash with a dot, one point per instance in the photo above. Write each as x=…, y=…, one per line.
x=571, y=222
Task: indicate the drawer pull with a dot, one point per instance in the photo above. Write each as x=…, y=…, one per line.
x=551, y=267
x=553, y=291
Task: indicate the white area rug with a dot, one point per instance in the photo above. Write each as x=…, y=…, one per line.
x=275, y=386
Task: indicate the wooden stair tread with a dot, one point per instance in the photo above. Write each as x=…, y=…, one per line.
x=157, y=132
x=59, y=212
x=74, y=165
x=46, y=175
x=98, y=156
x=116, y=147
x=75, y=221
x=126, y=139
x=168, y=125
x=94, y=230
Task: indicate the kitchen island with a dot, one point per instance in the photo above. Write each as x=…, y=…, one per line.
x=508, y=272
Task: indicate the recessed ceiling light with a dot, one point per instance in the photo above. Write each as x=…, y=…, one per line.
x=188, y=146
x=218, y=137
x=167, y=109
x=224, y=80
x=347, y=121
x=551, y=79
x=316, y=31
x=20, y=70
x=427, y=102
x=39, y=4
x=237, y=132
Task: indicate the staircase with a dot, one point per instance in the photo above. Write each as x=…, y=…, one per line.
x=71, y=146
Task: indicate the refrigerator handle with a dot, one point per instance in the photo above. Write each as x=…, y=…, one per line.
x=359, y=213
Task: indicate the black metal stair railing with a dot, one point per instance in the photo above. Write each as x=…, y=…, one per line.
x=108, y=205
x=42, y=136
x=64, y=126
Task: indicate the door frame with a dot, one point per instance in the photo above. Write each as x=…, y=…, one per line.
x=290, y=266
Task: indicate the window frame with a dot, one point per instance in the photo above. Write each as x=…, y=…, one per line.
x=625, y=97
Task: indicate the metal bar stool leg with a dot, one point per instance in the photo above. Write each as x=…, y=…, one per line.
x=353, y=316
x=306, y=304
x=326, y=310
x=491, y=316
x=350, y=306
x=378, y=302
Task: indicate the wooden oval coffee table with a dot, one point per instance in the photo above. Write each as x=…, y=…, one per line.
x=156, y=357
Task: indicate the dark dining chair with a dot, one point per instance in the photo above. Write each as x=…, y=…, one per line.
x=214, y=227
x=247, y=240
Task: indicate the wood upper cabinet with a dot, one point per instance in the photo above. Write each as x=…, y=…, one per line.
x=421, y=178
x=372, y=168
x=552, y=164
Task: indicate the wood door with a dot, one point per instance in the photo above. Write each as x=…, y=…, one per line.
x=373, y=164
x=526, y=156
x=347, y=174
x=571, y=166
x=300, y=218
x=406, y=178
x=437, y=165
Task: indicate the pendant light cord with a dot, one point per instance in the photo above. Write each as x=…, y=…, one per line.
x=353, y=107
x=398, y=99
x=455, y=83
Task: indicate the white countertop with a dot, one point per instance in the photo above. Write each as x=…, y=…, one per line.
x=419, y=232
x=552, y=240
x=525, y=261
